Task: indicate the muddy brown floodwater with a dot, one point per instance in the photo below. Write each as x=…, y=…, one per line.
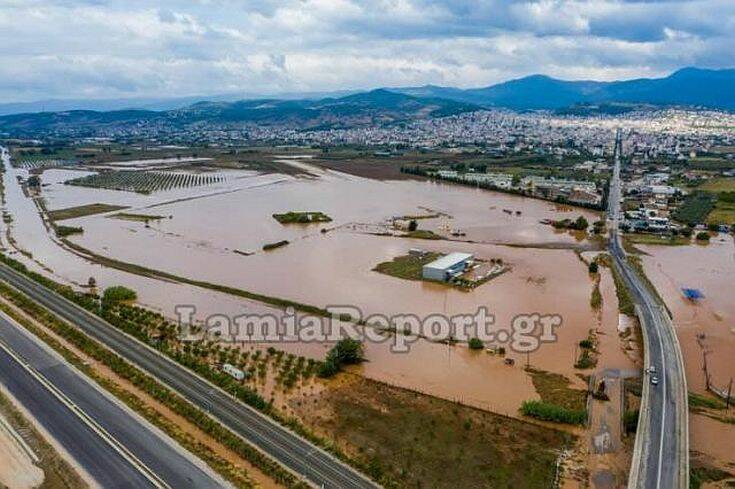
x=208, y=225
x=705, y=328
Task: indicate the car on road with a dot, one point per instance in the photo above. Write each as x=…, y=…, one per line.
x=654, y=380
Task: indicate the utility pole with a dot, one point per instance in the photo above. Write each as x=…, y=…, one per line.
x=729, y=393
x=706, y=372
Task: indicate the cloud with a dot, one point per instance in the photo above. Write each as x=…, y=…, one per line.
x=116, y=48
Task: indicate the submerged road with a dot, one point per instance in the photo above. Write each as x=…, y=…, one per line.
x=295, y=453
x=112, y=445
x=661, y=453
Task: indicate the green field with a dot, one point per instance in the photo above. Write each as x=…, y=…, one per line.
x=82, y=211
x=406, y=267
x=719, y=185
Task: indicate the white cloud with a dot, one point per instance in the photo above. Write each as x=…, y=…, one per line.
x=69, y=49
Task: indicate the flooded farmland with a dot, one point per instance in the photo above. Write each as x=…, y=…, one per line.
x=216, y=233
x=706, y=327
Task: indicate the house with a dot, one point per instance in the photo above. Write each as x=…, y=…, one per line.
x=447, y=267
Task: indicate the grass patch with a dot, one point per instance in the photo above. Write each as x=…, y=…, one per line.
x=596, y=297
x=656, y=239
x=554, y=389
x=699, y=401
x=273, y=246
x=625, y=300
x=301, y=217
x=137, y=217
x=698, y=476
x=406, y=266
x=719, y=185
x=551, y=412
x=64, y=231
x=83, y=210
x=723, y=213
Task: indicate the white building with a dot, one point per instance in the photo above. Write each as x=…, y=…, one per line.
x=447, y=266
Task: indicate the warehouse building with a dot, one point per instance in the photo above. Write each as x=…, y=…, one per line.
x=447, y=266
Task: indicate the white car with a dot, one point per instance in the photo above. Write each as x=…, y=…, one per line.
x=654, y=380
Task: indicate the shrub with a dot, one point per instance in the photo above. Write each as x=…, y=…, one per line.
x=551, y=412
x=702, y=236
x=581, y=223
x=586, y=344
x=413, y=225
x=476, y=344
x=118, y=293
x=593, y=267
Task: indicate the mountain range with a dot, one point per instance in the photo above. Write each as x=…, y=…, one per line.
x=687, y=87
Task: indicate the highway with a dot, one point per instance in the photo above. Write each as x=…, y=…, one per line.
x=661, y=452
x=293, y=452
x=112, y=445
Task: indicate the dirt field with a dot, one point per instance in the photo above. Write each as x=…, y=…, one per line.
x=413, y=440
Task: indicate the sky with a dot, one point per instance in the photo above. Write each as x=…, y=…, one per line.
x=130, y=48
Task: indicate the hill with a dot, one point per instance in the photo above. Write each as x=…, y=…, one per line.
x=368, y=108
x=688, y=86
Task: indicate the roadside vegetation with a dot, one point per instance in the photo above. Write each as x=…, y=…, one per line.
x=625, y=300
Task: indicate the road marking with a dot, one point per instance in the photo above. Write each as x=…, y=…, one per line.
x=86, y=419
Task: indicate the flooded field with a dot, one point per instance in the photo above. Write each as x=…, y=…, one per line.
x=706, y=327
x=216, y=234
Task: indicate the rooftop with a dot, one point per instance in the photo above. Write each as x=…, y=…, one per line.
x=449, y=260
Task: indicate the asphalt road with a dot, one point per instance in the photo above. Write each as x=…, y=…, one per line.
x=295, y=453
x=156, y=462
x=664, y=443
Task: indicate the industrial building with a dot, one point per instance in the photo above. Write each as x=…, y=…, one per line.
x=447, y=266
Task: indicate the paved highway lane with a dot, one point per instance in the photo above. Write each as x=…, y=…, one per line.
x=171, y=465
x=300, y=456
x=661, y=458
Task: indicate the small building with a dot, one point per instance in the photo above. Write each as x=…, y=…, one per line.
x=447, y=266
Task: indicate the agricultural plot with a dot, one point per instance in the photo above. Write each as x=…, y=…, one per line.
x=40, y=164
x=144, y=182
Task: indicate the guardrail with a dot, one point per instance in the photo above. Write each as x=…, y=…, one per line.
x=637, y=467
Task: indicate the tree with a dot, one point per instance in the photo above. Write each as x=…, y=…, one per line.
x=593, y=267
x=581, y=223
x=476, y=344
x=413, y=225
x=687, y=232
x=702, y=236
